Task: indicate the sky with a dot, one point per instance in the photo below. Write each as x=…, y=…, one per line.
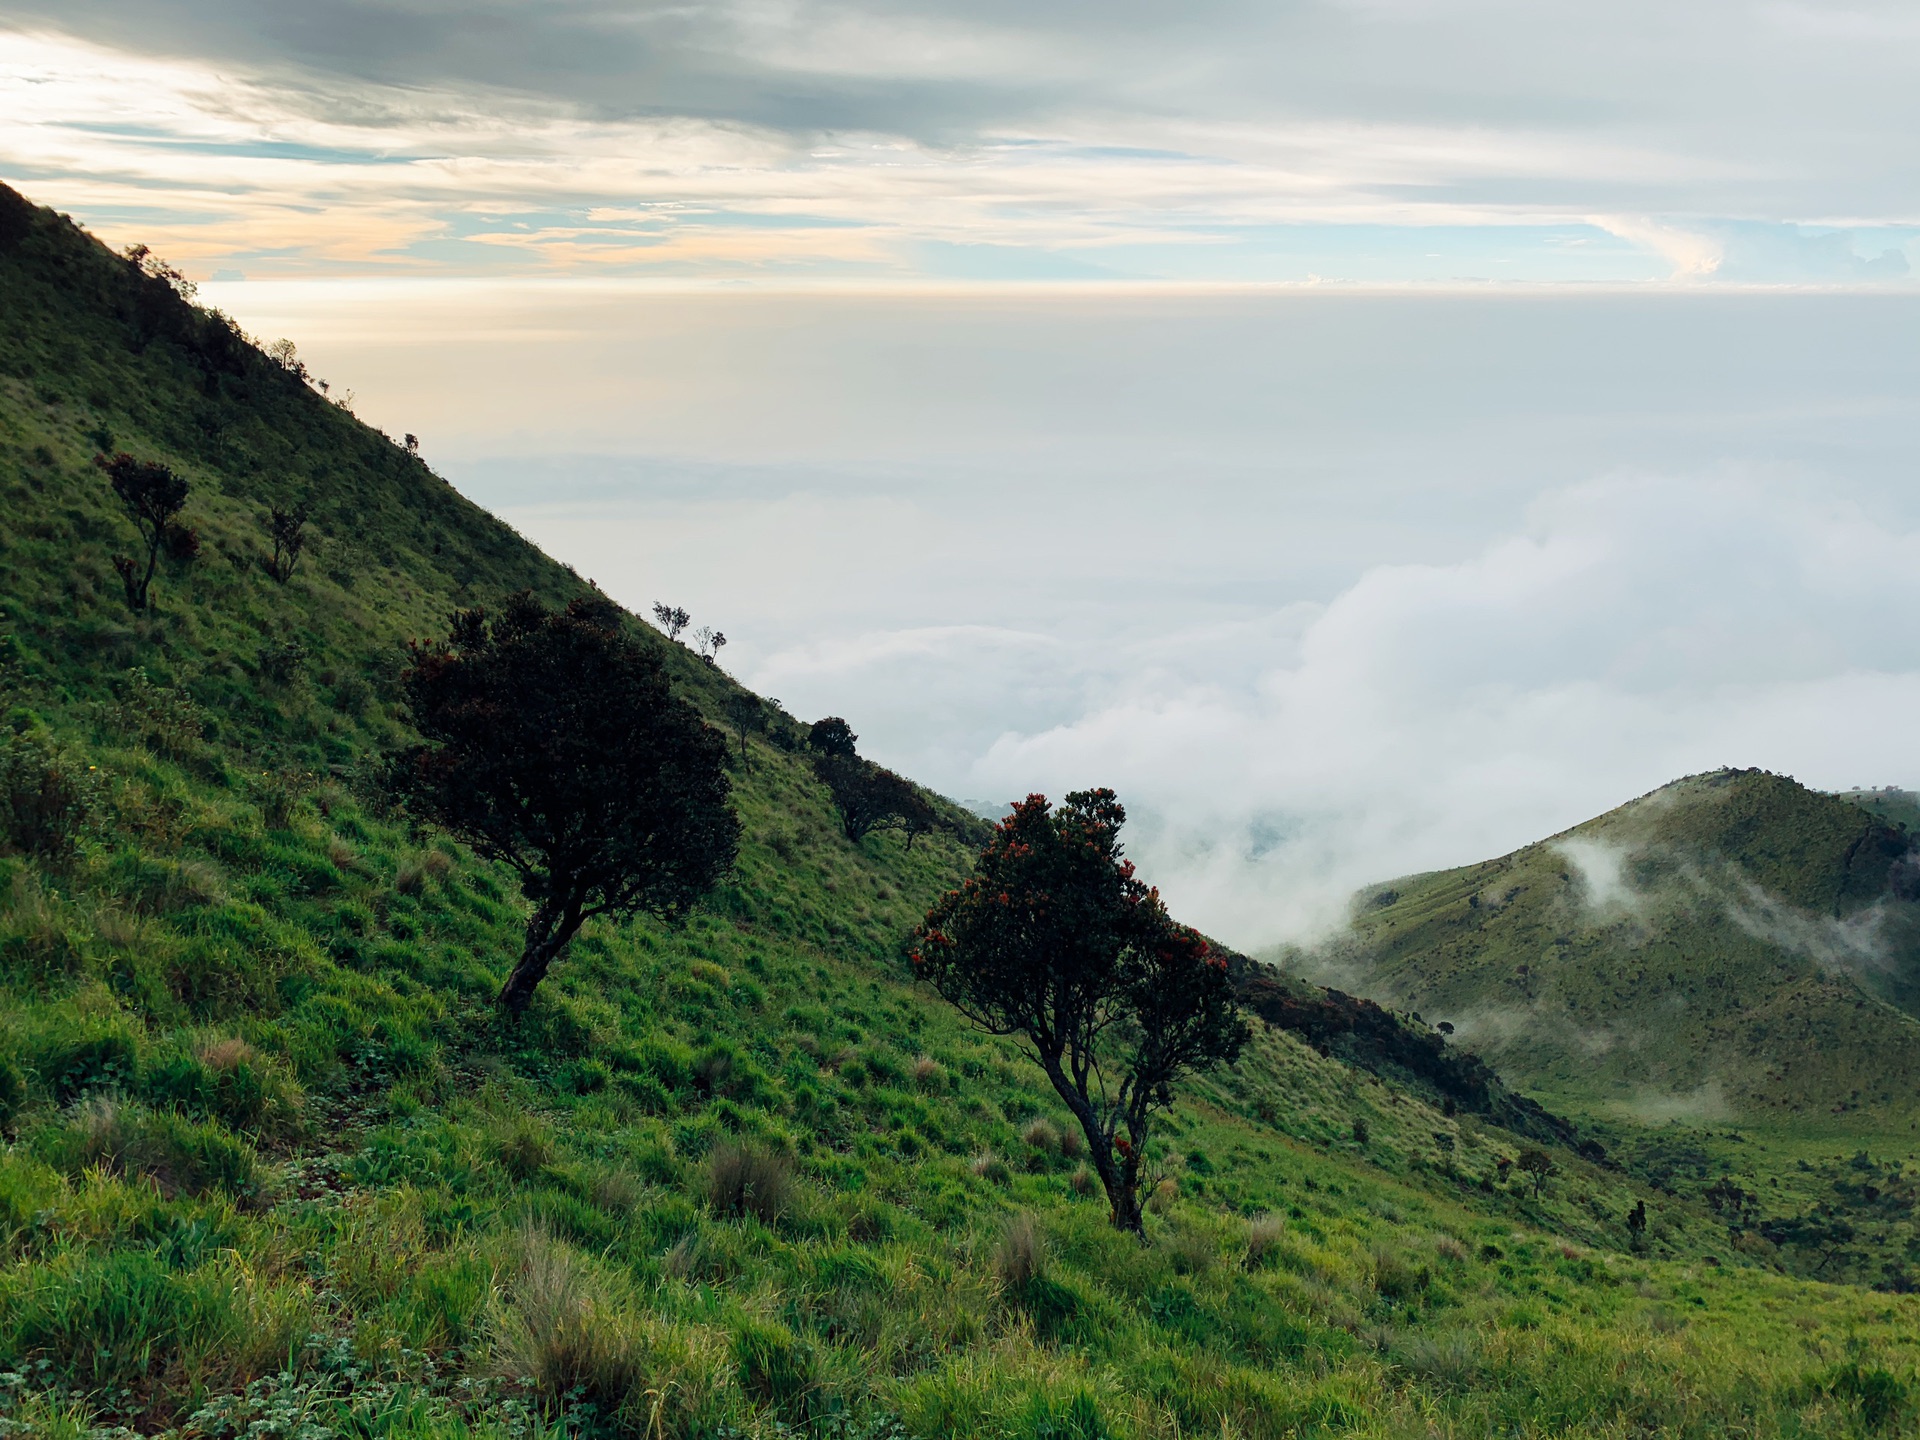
x=1368, y=435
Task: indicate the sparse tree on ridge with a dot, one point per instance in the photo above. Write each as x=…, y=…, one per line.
x=671, y=618
x=153, y=496
x=555, y=744
x=1055, y=939
x=710, y=643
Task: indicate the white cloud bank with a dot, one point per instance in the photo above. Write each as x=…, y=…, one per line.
x=1641, y=627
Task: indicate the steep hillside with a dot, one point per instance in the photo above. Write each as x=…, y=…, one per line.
x=274, y=1167
x=1730, y=945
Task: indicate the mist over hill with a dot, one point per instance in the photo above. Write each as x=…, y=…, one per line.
x=1732, y=944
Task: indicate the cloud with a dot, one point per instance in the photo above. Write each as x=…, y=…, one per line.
x=901, y=139
x=1639, y=628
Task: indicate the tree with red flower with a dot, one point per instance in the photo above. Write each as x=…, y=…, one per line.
x=1055, y=939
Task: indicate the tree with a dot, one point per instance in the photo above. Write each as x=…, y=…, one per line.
x=832, y=736
x=152, y=496
x=1055, y=939
x=555, y=744
x=671, y=618
x=288, y=530
x=867, y=797
x=1637, y=1225
x=748, y=715
x=917, y=815
x=711, y=642
x=1538, y=1165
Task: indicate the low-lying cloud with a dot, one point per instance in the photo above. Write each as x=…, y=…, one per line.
x=1638, y=628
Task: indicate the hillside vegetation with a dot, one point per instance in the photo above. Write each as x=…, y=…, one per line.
x=1732, y=944
x=274, y=1166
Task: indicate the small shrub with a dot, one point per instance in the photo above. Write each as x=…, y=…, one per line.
x=13, y=1092
x=1163, y=1196
x=47, y=802
x=1084, y=1181
x=1264, y=1234
x=226, y=1079
x=1395, y=1278
x=571, y=1330
x=708, y=973
x=1072, y=1143
x=743, y=1179
x=178, y=1155
x=991, y=1168
x=926, y=1072
x=1449, y=1362
x=775, y=1368
x=525, y=1151
x=1041, y=1135
x=73, y=1058
x=1020, y=1258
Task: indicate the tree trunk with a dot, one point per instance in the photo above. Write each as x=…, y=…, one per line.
x=1119, y=1174
x=548, y=933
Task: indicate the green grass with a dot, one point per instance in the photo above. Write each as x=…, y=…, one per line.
x=272, y=1161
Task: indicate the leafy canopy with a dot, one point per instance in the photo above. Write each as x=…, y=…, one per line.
x=1055, y=938
x=555, y=744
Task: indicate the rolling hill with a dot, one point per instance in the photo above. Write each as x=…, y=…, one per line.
x=1732, y=945
x=273, y=1165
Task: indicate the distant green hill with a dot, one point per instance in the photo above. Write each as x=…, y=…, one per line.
x=1730, y=945
x=270, y=1165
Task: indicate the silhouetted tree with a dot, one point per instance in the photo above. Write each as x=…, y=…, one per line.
x=1538, y=1165
x=152, y=495
x=671, y=618
x=917, y=815
x=748, y=715
x=867, y=797
x=711, y=642
x=1055, y=939
x=1637, y=1224
x=288, y=531
x=832, y=736
x=555, y=744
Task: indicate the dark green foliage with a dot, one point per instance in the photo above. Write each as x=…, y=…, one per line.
x=177, y=1155
x=152, y=496
x=1054, y=939
x=832, y=736
x=871, y=798
x=556, y=745
x=745, y=1179
x=47, y=802
x=13, y=1092
x=287, y=529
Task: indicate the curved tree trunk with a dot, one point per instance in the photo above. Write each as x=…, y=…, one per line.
x=549, y=930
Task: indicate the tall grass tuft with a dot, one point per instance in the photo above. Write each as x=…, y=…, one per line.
x=572, y=1331
x=1021, y=1256
x=744, y=1179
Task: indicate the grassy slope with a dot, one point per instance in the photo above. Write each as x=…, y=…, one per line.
x=278, y=1164
x=1698, y=947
